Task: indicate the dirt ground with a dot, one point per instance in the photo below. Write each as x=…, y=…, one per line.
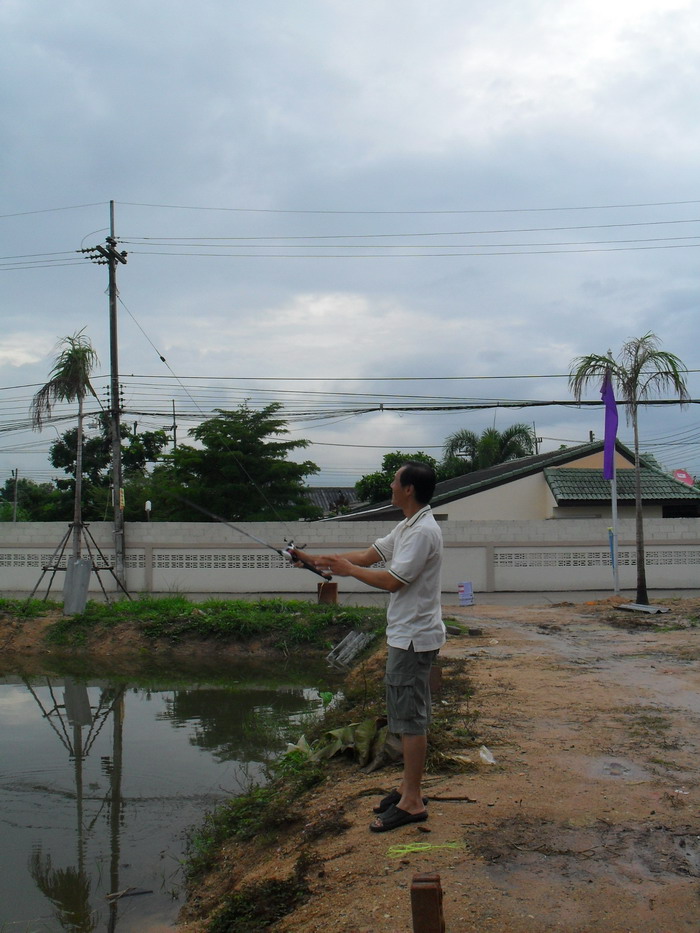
x=587, y=821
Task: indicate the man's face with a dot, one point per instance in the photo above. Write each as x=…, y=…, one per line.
x=399, y=494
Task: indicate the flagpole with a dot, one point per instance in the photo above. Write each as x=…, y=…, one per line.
x=609, y=466
x=615, y=563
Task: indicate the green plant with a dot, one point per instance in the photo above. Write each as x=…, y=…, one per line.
x=26, y=608
x=257, y=907
x=288, y=623
x=256, y=813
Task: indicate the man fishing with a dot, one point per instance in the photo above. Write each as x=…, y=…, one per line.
x=412, y=554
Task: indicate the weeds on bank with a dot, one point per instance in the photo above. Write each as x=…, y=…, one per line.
x=262, y=813
x=454, y=723
x=259, y=813
x=285, y=623
x=26, y=609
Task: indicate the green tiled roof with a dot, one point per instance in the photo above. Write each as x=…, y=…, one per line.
x=571, y=485
x=567, y=484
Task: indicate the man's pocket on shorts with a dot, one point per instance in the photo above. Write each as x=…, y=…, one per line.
x=400, y=668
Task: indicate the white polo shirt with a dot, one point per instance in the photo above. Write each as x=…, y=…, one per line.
x=413, y=554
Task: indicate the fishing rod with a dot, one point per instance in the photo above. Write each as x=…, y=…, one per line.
x=289, y=552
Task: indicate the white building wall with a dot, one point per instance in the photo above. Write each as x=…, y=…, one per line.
x=528, y=498
x=198, y=558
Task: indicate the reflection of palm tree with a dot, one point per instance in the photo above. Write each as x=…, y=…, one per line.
x=68, y=889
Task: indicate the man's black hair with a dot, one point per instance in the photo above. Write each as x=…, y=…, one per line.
x=421, y=477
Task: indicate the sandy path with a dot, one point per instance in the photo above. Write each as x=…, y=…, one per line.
x=589, y=818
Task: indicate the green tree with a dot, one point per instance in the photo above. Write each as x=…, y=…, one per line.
x=137, y=451
x=36, y=502
x=465, y=451
x=69, y=382
x=640, y=371
x=375, y=487
x=240, y=472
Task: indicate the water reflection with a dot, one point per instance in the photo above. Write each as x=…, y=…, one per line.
x=68, y=889
x=258, y=717
x=99, y=782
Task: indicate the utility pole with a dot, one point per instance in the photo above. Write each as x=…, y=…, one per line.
x=535, y=439
x=174, y=429
x=15, y=476
x=110, y=257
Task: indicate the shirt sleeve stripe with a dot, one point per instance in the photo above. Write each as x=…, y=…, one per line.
x=398, y=576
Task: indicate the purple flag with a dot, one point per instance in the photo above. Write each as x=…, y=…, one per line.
x=608, y=396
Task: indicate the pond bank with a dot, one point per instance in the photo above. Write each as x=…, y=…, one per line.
x=177, y=628
x=586, y=821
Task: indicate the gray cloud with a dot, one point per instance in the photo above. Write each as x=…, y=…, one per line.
x=371, y=107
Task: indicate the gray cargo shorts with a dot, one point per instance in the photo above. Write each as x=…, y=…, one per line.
x=407, y=682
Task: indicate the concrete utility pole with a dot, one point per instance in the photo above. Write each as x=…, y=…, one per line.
x=15, y=477
x=174, y=428
x=110, y=257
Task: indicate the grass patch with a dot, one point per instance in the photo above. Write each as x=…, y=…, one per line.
x=648, y=727
x=285, y=623
x=26, y=608
x=259, y=813
x=650, y=724
x=680, y=624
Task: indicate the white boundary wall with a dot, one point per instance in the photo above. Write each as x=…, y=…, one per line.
x=196, y=558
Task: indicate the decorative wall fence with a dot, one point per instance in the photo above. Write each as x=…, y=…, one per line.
x=499, y=556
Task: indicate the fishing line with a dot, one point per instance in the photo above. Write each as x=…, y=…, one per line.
x=289, y=552
x=238, y=463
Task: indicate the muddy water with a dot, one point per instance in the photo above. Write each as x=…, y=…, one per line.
x=101, y=780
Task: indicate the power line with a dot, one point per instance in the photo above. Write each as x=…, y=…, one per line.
x=512, y=210
x=53, y=210
x=465, y=252
x=157, y=241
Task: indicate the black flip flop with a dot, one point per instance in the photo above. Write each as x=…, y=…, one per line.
x=390, y=801
x=395, y=817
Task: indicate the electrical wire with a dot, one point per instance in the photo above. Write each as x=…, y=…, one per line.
x=489, y=252
x=511, y=210
x=236, y=459
x=54, y=210
x=163, y=241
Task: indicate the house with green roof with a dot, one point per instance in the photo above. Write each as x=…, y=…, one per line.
x=560, y=484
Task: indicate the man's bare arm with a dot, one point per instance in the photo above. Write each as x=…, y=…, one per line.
x=364, y=558
x=340, y=566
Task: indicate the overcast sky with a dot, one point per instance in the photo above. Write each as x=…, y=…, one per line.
x=343, y=204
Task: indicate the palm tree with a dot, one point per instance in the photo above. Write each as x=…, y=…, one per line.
x=640, y=371
x=69, y=382
x=473, y=451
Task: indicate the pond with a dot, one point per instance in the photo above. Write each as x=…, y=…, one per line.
x=102, y=777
